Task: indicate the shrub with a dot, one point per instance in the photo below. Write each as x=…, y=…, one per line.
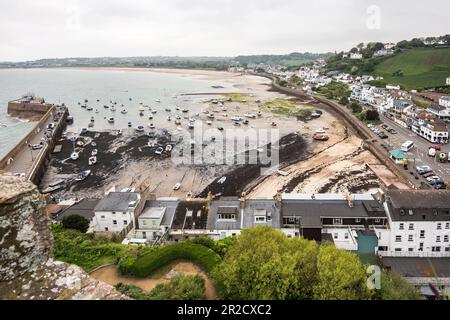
x=151, y=261
x=75, y=222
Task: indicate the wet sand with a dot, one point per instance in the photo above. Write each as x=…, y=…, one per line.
x=110, y=274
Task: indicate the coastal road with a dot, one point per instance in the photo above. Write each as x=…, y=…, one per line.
x=419, y=154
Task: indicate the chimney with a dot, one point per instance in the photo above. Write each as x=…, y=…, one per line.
x=350, y=200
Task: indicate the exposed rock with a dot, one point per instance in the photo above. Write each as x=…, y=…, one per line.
x=27, y=269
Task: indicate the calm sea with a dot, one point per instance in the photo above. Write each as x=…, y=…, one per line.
x=71, y=86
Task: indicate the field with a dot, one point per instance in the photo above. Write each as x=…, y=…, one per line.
x=420, y=68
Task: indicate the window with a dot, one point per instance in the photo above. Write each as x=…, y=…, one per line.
x=144, y=234
x=335, y=236
x=410, y=238
x=377, y=220
x=102, y=217
x=410, y=249
x=438, y=238
x=439, y=226
x=114, y=221
x=422, y=234
x=337, y=220
x=447, y=225
x=124, y=213
x=357, y=220
x=446, y=238
x=106, y=229
x=411, y=226
x=125, y=222
x=260, y=219
x=436, y=249
x=346, y=235
x=113, y=212
x=227, y=216
x=398, y=249
x=402, y=226
x=398, y=238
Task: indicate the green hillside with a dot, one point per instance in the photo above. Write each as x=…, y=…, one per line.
x=417, y=68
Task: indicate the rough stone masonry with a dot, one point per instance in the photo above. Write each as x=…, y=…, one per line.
x=27, y=268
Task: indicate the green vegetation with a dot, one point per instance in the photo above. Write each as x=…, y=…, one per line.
x=238, y=97
x=178, y=288
x=292, y=60
x=335, y=90
x=421, y=103
x=88, y=251
x=75, y=222
x=416, y=69
x=145, y=264
x=284, y=107
x=394, y=287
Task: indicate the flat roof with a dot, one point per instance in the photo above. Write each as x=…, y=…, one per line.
x=416, y=267
x=117, y=201
x=153, y=213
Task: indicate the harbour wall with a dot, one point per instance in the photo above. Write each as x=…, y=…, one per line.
x=28, y=110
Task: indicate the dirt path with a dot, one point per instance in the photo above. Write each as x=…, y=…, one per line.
x=111, y=275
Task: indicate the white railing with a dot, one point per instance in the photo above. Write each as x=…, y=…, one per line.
x=414, y=254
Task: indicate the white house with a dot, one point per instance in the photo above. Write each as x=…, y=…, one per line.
x=444, y=101
x=393, y=87
x=447, y=81
x=383, y=52
x=434, y=132
x=440, y=112
x=356, y=56
x=116, y=211
x=419, y=223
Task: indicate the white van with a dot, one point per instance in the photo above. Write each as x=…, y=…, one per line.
x=432, y=152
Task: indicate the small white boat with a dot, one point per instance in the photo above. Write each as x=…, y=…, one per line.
x=113, y=109
x=154, y=111
x=119, y=132
x=236, y=118
x=177, y=122
x=94, y=152
x=96, y=111
x=177, y=186
x=211, y=116
x=140, y=128
x=111, y=120
x=150, y=117
x=208, y=123
x=259, y=113
x=152, y=126
x=168, y=148
x=191, y=125
x=89, y=108
x=92, y=160
x=123, y=111
x=320, y=131
x=83, y=175
x=224, y=114
x=185, y=110
x=179, y=128
x=249, y=115
x=222, y=180
x=157, y=100
x=74, y=156
x=141, y=108
x=178, y=117
x=169, y=118
x=80, y=143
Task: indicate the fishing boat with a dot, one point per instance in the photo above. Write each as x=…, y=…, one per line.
x=157, y=100
x=211, y=116
x=106, y=107
x=140, y=128
x=185, y=110
x=94, y=152
x=169, y=118
x=152, y=126
x=154, y=111
x=177, y=186
x=111, y=120
x=177, y=122
x=168, y=110
x=92, y=160
x=74, y=156
x=52, y=189
x=141, y=108
x=130, y=124
x=259, y=113
x=92, y=119
x=141, y=113
x=84, y=106
x=89, y=108
x=123, y=111
x=150, y=117
x=249, y=115
x=83, y=175
x=320, y=137
x=191, y=125
x=208, y=123
x=245, y=121
x=320, y=131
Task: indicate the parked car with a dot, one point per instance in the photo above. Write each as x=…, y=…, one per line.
x=436, y=147
x=428, y=174
x=432, y=180
x=382, y=135
x=440, y=185
x=159, y=150
x=36, y=146
x=393, y=131
x=423, y=169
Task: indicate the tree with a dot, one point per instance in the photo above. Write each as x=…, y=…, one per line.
x=344, y=101
x=355, y=107
x=372, y=115
x=180, y=288
x=394, y=287
x=340, y=276
x=75, y=222
x=265, y=264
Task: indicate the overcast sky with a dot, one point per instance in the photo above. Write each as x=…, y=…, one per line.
x=31, y=29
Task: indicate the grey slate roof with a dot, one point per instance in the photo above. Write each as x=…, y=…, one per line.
x=224, y=204
x=84, y=208
x=425, y=205
x=117, y=201
x=255, y=204
x=418, y=267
